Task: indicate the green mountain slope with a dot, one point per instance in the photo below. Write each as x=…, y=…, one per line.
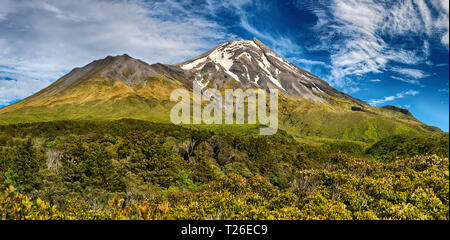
x=123, y=87
x=315, y=121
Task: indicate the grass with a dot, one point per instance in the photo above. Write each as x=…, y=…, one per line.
x=298, y=117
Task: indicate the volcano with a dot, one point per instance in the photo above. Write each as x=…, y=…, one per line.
x=123, y=87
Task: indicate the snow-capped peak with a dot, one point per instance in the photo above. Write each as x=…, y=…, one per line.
x=250, y=63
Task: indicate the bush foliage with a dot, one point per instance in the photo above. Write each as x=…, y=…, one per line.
x=131, y=169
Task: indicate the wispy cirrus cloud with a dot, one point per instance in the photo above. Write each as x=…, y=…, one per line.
x=279, y=43
x=362, y=35
x=442, y=65
x=404, y=94
x=445, y=90
x=413, y=73
x=410, y=81
x=307, y=62
x=251, y=12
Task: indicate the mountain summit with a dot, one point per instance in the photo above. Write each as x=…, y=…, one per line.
x=123, y=87
x=109, y=79
x=254, y=65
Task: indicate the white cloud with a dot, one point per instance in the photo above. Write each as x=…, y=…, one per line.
x=358, y=34
x=377, y=102
x=445, y=90
x=416, y=17
x=375, y=80
x=281, y=44
x=351, y=90
x=410, y=81
x=414, y=73
x=442, y=21
x=42, y=40
x=13, y=86
x=307, y=62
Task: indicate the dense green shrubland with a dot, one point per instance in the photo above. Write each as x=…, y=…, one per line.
x=131, y=169
x=404, y=145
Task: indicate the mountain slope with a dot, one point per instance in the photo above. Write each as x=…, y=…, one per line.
x=251, y=64
x=124, y=87
x=102, y=80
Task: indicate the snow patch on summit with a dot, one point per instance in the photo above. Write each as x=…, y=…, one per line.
x=248, y=61
x=194, y=64
x=224, y=59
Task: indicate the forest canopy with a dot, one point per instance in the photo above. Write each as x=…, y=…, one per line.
x=130, y=169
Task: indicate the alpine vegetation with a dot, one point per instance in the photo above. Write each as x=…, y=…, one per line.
x=228, y=109
x=237, y=133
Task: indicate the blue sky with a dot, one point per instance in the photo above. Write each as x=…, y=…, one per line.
x=383, y=52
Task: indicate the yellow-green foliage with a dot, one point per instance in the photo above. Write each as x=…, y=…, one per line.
x=16, y=206
x=132, y=169
x=414, y=188
x=297, y=116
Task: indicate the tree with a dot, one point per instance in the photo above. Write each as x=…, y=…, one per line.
x=152, y=158
x=203, y=170
x=23, y=174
